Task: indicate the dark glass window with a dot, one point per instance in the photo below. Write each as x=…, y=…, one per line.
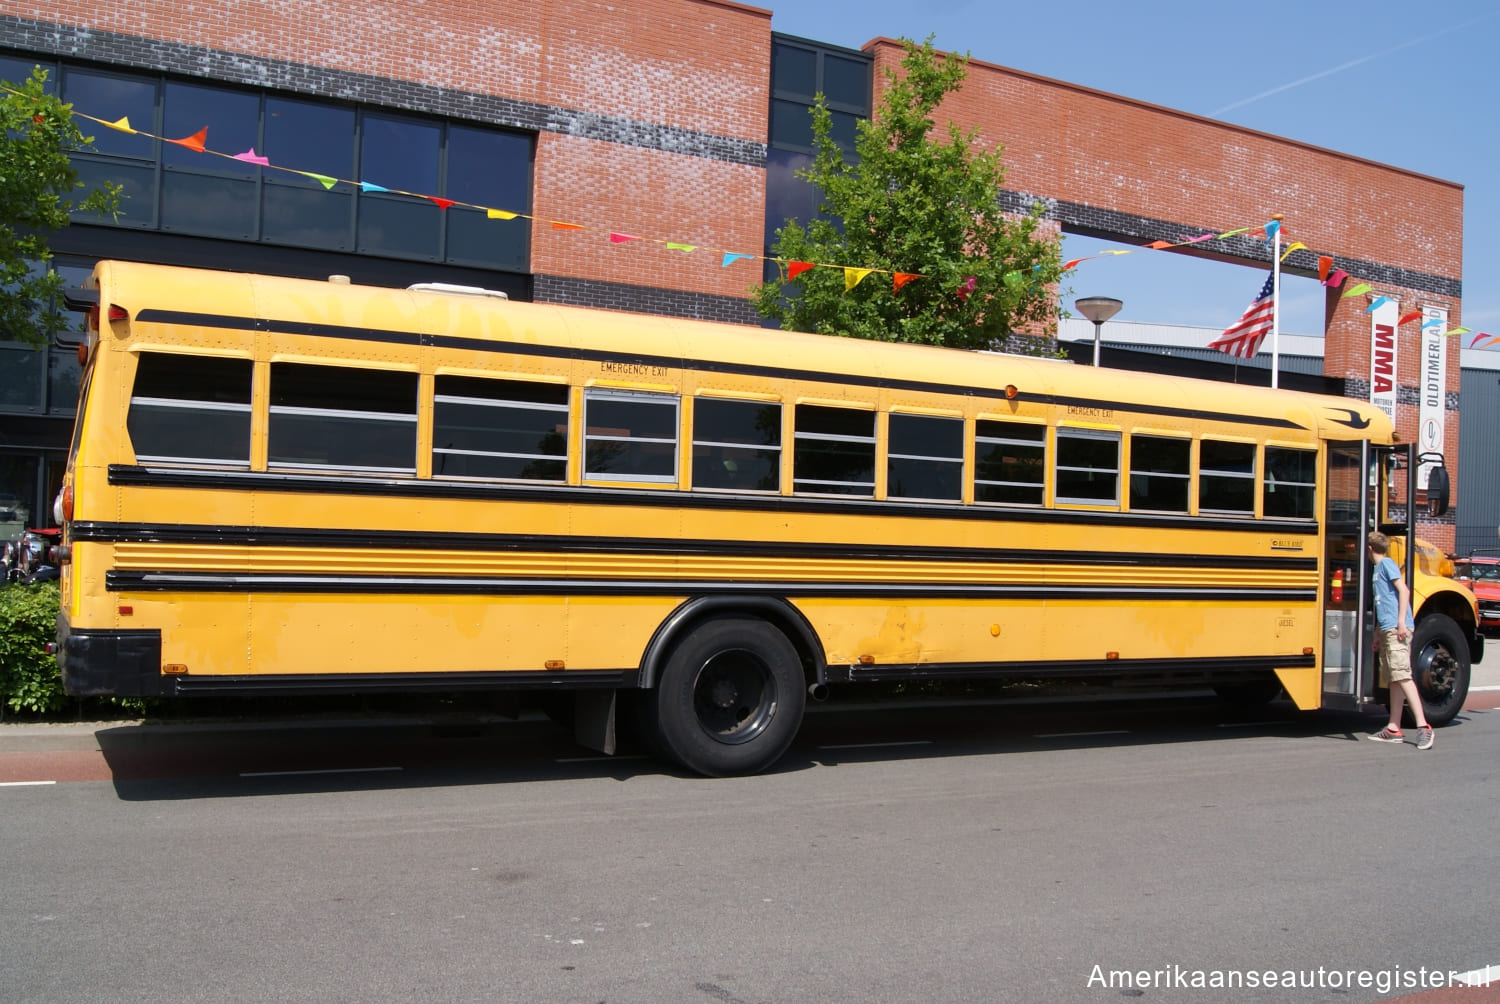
x=358, y=420
x=845, y=81
x=834, y=453
x=1010, y=462
x=925, y=458
x=499, y=429
x=17, y=70
x=1291, y=483
x=1226, y=477
x=1160, y=471
x=629, y=436
x=190, y=409
x=295, y=209
x=491, y=169
x=736, y=445
x=795, y=70
x=1088, y=467
x=113, y=97
x=201, y=193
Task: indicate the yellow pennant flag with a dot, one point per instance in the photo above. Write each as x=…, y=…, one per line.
x=1293, y=246
x=852, y=277
x=122, y=125
x=498, y=214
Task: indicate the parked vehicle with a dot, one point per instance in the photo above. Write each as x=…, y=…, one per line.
x=1482, y=576
x=37, y=558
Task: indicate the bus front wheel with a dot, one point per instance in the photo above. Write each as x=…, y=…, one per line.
x=1440, y=668
x=729, y=699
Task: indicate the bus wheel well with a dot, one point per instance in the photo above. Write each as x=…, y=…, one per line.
x=778, y=613
x=1452, y=606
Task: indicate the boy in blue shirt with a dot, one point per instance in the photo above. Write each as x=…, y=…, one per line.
x=1394, y=625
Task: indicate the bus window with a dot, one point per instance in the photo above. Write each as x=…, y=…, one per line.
x=358, y=420
x=1226, y=477
x=1088, y=467
x=514, y=429
x=925, y=458
x=1009, y=462
x=834, y=452
x=190, y=409
x=629, y=436
x=1160, y=469
x=1291, y=481
x=736, y=445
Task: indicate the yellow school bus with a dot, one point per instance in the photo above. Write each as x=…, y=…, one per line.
x=283, y=486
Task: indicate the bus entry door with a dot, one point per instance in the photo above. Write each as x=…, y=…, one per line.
x=1348, y=666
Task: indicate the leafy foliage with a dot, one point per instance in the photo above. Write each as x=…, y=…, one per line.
x=29, y=680
x=37, y=185
x=912, y=203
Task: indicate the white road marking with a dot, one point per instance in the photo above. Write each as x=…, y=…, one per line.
x=872, y=746
x=1488, y=976
x=24, y=784
x=1070, y=735
x=331, y=770
x=596, y=759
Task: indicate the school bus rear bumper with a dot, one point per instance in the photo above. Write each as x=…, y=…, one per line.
x=110, y=663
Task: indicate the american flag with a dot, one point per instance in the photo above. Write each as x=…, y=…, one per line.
x=1243, y=337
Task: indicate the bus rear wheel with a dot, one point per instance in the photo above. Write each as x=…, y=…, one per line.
x=1440, y=668
x=729, y=699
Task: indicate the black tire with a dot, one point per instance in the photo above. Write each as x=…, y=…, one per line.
x=1249, y=693
x=1440, y=669
x=729, y=699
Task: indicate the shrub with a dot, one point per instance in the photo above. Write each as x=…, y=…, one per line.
x=29, y=679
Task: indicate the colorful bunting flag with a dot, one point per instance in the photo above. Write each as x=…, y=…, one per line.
x=796, y=268
x=622, y=238
x=559, y=225
x=1356, y=290
x=684, y=248
x=899, y=279
x=854, y=276
x=194, y=142
x=1336, y=280
x=1158, y=245
x=499, y=214
x=1325, y=263
x=1377, y=303
x=1408, y=317
x=370, y=186
x=441, y=203
x=120, y=125
x=1294, y=246
x=250, y=156
x=730, y=257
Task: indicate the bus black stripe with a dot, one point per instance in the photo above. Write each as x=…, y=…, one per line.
x=118, y=580
x=400, y=540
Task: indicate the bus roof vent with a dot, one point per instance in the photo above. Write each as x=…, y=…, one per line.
x=448, y=287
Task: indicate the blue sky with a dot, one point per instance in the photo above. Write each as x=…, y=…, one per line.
x=1410, y=85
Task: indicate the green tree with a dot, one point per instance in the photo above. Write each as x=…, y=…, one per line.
x=37, y=188
x=910, y=202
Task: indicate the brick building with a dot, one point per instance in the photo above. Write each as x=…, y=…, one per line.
x=609, y=131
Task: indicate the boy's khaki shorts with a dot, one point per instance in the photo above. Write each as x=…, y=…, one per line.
x=1395, y=659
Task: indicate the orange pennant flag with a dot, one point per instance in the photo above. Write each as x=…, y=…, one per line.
x=193, y=142
x=556, y=225
x=1158, y=245
x=796, y=268
x=1325, y=264
x=899, y=279
x=1069, y=264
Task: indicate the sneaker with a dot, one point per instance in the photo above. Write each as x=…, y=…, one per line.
x=1424, y=738
x=1389, y=735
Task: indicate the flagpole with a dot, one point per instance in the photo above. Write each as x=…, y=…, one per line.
x=1276, y=303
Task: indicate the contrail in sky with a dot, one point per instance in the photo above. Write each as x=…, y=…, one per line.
x=1345, y=66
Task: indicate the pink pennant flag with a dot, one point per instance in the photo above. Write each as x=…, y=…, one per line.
x=251, y=157
x=1336, y=280
x=1195, y=240
x=194, y=142
x=1474, y=342
x=796, y=268
x=622, y=238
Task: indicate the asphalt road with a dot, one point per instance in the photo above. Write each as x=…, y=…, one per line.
x=982, y=854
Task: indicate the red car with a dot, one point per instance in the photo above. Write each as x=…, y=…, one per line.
x=1482, y=576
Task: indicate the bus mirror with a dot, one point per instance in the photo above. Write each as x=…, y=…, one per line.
x=1437, y=491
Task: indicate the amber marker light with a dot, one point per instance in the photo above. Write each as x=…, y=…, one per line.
x=1111, y=655
x=1307, y=650
x=554, y=664
x=174, y=669
x=867, y=660
x=1012, y=392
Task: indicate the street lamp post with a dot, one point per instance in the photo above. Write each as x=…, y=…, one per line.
x=1098, y=309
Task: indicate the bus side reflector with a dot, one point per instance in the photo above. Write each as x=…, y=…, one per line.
x=126, y=610
x=867, y=660
x=174, y=669
x=1111, y=655
x=554, y=664
x=1308, y=650
x=118, y=313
